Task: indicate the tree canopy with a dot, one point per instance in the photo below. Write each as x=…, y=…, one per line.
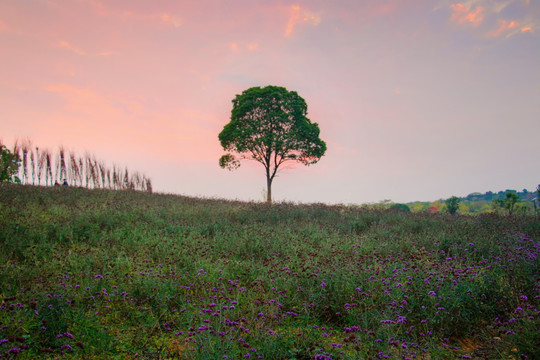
x=270, y=125
x=9, y=164
x=452, y=204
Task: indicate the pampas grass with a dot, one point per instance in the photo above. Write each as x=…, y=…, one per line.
x=53, y=167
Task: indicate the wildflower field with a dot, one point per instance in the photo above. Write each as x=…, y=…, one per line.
x=103, y=274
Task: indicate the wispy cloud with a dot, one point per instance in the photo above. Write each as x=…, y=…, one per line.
x=465, y=14
x=84, y=100
x=170, y=19
x=497, y=7
x=236, y=47
x=494, y=18
x=505, y=27
x=64, y=44
x=299, y=15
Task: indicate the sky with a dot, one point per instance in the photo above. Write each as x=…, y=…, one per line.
x=417, y=100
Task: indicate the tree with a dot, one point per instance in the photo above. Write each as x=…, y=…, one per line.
x=400, y=208
x=9, y=166
x=452, y=204
x=269, y=125
x=508, y=203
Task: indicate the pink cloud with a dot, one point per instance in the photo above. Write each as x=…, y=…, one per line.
x=171, y=20
x=237, y=47
x=299, y=15
x=504, y=27
x=66, y=45
x=85, y=101
x=464, y=14
x=107, y=118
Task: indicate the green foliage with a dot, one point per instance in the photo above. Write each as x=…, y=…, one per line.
x=489, y=202
x=400, y=208
x=9, y=166
x=270, y=125
x=116, y=274
x=452, y=205
x=508, y=204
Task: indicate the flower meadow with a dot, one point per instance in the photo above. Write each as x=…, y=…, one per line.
x=103, y=274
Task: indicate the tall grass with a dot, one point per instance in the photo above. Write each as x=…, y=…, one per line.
x=106, y=274
x=53, y=167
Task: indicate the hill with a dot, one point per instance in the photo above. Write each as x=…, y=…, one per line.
x=123, y=274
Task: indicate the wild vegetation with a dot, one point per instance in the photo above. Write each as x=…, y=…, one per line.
x=29, y=164
x=502, y=202
x=121, y=274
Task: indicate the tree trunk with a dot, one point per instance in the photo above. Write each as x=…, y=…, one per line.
x=268, y=189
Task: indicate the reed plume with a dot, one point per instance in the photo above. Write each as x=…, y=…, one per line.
x=33, y=165
x=48, y=166
x=25, y=148
x=62, y=163
x=37, y=164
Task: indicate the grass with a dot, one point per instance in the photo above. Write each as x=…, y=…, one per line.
x=119, y=274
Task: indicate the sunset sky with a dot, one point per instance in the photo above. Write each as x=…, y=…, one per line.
x=416, y=99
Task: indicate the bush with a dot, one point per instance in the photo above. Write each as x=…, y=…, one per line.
x=400, y=208
x=9, y=165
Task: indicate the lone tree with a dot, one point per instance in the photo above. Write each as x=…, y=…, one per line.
x=269, y=125
x=452, y=204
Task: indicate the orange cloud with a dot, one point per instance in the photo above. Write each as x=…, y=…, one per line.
x=66, y=45
x=526, y=29
x=235, y=47
x=504, y=27
x=298, y=15
x=464, y=14
x=171, y=20
x=84, y=100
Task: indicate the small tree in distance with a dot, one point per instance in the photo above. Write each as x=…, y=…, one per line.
x=9, y=165
x=452, y=205
x=508, y=203
x=269, y=125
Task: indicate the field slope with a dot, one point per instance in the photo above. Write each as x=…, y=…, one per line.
x=118, y=274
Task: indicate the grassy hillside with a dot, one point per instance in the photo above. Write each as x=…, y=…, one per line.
x=119, y=274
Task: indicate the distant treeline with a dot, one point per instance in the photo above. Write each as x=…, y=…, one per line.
x=524, y=195
x=476, y=203
x=40, y=166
